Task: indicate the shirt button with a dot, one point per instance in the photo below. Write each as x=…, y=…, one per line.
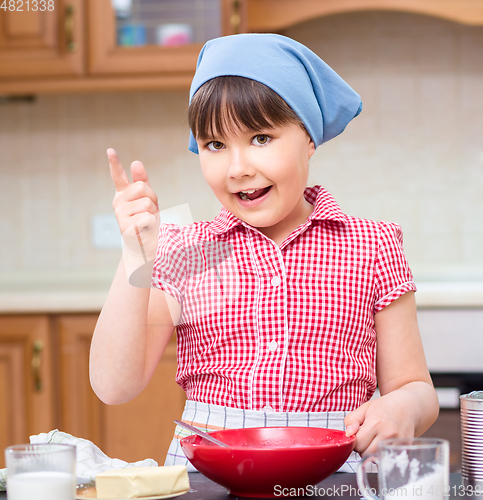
x=267, y=408
x=272, y=346
x=276, y=280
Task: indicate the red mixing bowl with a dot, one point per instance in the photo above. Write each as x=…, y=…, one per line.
x=264, y=461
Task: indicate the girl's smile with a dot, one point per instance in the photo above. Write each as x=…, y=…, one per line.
x=260, y=177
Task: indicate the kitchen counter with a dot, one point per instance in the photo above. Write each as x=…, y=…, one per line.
x=429, y=295
x=20, y=302
x=342, y=486
x=449, y=294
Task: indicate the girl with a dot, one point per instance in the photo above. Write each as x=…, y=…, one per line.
x=287, y=310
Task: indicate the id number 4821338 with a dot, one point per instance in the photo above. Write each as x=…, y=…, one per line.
x=27, y=5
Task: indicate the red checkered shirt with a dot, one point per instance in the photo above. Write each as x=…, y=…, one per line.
x=287, y=328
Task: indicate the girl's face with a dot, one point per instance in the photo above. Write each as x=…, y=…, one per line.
x=261, y=176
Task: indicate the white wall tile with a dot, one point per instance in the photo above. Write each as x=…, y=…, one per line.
x=421, y=164
x=414, y=156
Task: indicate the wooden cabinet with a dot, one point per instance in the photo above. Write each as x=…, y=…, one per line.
x=73, y=49
x=276, y=15
x=26, y=379
x=448, y=426
x=41, y=43
x=140, y=429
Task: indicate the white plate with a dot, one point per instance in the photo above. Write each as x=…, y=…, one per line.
x=89, y=491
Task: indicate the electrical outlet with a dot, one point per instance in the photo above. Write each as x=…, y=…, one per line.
x=105, y=232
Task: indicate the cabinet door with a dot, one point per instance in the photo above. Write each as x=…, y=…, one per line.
x=174, y=64
x=26, y=390
x=142, y=428
x=41, y=38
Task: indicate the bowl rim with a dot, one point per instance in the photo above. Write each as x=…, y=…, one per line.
x=206, y=444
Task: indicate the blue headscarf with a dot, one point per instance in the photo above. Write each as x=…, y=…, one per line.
x=319, y=96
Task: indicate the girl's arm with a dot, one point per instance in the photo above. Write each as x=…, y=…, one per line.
x=132, y=332
x=135, y=324
x=408, y=405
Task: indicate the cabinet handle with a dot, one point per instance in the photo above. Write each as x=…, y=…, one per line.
x=69, y=28
x=235, y=19
x=37, y=349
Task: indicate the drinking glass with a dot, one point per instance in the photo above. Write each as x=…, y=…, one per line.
x=41, y=472
x=408, y=468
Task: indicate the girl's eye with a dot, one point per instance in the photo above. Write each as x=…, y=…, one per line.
x=215, y=145
x=261, y=140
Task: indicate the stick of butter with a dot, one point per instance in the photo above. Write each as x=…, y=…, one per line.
x=135, y=482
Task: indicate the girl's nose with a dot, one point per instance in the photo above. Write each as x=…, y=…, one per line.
x=240, y=164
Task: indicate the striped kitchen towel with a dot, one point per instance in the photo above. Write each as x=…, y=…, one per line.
x=208, y=417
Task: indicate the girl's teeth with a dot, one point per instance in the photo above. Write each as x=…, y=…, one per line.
x=243, y=194
x=252, y=194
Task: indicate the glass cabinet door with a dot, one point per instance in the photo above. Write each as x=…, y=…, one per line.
x=160, y=38
x=167, y=23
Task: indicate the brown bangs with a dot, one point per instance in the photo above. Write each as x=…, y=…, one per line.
x=227, y=104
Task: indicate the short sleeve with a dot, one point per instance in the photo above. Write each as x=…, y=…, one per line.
x=170, y=264
x=393, y=277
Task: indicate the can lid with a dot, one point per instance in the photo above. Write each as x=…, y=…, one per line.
x=472, y=401
x=473, y=395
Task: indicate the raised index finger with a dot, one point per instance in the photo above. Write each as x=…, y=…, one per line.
x=118, y=175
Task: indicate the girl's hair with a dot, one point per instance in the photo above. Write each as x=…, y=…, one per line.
x=226, y=104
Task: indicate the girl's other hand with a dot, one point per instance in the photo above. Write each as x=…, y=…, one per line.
x=378, y=419
x=393, y=415
x=135, y=205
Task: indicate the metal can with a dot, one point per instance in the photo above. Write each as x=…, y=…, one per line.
x=471, y=408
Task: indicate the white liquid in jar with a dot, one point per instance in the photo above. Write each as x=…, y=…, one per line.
x=429, y=487
x=45, y=485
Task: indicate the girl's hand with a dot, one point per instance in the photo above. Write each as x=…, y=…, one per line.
x=381, y=418
x=400, y=413
x=136, y=207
